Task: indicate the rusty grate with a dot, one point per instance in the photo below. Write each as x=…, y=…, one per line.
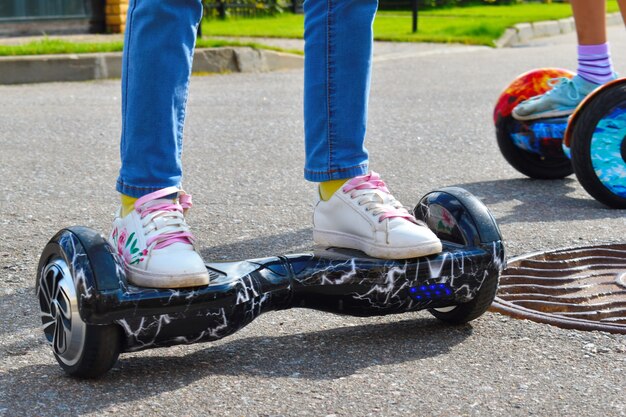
x=575, y=288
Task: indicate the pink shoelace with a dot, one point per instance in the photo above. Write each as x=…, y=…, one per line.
x=169, y=213
x=385, y=209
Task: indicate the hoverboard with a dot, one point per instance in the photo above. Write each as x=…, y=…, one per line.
x=590, y=143
x=91, y=313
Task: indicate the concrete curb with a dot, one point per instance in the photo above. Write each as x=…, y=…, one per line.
x=522, y=33
x=84, y=67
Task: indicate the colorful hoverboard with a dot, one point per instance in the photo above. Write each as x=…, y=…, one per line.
x=590, y=143
x=596, y=140
x=532, y=147
x=91, y=313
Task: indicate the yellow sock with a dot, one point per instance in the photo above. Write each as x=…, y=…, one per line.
x=128, y=204
x=328, y=188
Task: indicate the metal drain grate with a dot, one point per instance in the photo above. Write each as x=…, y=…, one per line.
x=574, y=288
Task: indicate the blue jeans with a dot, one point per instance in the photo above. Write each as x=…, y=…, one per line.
x=158, y=52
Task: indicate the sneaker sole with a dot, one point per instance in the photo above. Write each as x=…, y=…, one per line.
x=142, y=279
x=331, y=239
x=545, y=115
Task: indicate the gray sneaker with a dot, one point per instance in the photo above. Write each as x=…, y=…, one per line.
x=559, y=101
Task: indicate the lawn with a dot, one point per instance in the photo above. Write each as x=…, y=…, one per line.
x=60, y=46
x=480, y=25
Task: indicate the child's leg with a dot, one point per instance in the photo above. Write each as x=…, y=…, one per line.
x=151, y=234
x=159, y=44
x=590, y=19
x=594, y=66
x=338, y=56
x=594, y=59
x=360, y=213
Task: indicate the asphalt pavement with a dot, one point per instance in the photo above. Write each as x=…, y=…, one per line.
x=430, y=126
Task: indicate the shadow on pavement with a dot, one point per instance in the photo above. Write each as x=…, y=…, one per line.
x=320, y=355
x=539, y=200
x=327, y=354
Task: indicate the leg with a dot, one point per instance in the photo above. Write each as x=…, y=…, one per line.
x=159, y=43
x=360, y=213
x=150, y=233
x=590, y=18
x=594, y=66
x=594, y=59
x=338, y=59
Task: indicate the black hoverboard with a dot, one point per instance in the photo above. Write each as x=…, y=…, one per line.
x=90, y=313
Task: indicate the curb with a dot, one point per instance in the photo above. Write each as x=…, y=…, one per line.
x=522, y=33
x=99, y=66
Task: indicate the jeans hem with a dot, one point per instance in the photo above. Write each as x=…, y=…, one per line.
x=137, y=192
x=336, y=174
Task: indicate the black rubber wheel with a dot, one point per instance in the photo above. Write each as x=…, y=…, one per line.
x=528, y=163
x=83, y=350
x=463, y=313
x=460, y=218
x=598, y=146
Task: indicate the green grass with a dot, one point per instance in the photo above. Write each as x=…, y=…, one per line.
x=480, y=25
x=58, y=46
x=52, y=46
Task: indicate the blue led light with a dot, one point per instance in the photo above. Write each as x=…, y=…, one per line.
x=431, y=292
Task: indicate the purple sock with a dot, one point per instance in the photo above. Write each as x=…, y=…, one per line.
x=594, y=63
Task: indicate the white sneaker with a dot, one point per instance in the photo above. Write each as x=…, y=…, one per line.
x=155, y=242
x=363, y=215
